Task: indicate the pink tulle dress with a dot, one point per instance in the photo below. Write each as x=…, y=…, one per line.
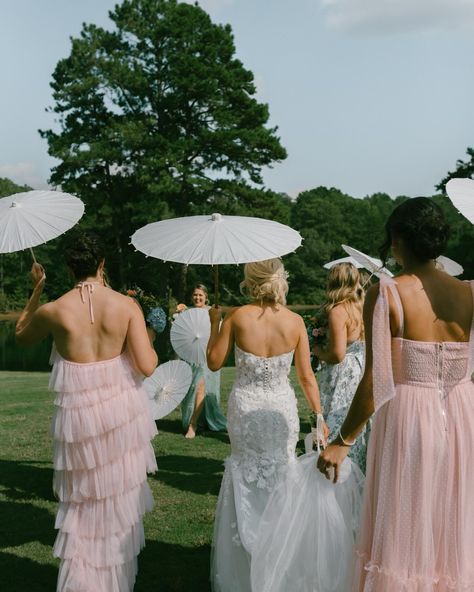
x=102, y=429
x=417, y=529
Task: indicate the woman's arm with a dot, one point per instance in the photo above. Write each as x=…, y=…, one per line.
x=140, y=341
x=304, y=372
x=362, y=406
x=220, y=340
x=337, y=326
x=32, y=326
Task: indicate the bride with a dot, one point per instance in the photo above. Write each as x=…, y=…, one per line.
x=263, y=420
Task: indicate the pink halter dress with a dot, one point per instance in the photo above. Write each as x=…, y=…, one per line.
x=102, y=429
x=417, y=529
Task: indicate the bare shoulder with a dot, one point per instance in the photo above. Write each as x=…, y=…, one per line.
x=47, y=311
x=232, y=311
x=338, y=312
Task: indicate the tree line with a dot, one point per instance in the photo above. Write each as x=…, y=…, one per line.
x=325, y=217
x=155, y=118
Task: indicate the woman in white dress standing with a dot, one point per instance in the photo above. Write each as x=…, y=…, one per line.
x=263, y=420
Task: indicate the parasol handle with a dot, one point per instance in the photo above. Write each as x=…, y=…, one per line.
x=33, y=255
x=215, y=269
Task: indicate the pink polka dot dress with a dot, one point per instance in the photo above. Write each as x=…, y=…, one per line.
x=417, y=529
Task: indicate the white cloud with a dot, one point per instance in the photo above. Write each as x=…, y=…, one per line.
x=23, y=173
x=398, y=16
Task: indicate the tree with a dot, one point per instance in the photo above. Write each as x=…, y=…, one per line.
x=464, y=169
x=157, y=118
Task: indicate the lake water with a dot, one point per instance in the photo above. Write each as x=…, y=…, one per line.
x=16, y=357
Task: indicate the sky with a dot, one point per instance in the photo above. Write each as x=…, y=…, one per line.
x=368, y=95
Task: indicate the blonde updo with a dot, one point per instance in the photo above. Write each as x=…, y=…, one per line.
x=265, y=280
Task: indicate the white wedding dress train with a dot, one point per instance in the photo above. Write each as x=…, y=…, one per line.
x=266, y=488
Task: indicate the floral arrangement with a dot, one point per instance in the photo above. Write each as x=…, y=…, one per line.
x=154, y=314
x=317, y=329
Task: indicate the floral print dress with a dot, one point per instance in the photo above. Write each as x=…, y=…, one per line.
x=338, y=384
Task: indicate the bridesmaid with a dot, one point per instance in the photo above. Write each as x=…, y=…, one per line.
x=201, y=403
x=343, y=358
x=417, y=529
x=102, y=426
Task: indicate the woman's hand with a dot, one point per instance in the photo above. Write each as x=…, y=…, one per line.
x=215, y=314
x=37, y=274
x=331, y=459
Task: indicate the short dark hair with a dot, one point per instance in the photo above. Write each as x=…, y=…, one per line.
x=421, y=224
x=84, y=251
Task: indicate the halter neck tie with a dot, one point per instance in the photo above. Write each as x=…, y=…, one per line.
x=89, y=287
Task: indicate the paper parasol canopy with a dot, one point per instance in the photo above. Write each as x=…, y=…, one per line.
x=32, y=218
x=167, y=387
x=372, y=264
x=189, y=335
x=331, y=264
x=461, y=193
x=449, y=265
x=216, y=239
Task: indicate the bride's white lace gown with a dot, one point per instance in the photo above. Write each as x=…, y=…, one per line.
x=280, y=526
x=263, y=427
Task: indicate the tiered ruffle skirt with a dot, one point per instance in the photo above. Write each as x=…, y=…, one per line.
x=102, y=430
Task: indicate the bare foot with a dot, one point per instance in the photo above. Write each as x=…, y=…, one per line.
x=191, y=433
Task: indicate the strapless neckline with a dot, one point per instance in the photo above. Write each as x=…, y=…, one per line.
x=264, y=357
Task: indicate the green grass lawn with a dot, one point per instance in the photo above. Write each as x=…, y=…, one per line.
x=178, y=531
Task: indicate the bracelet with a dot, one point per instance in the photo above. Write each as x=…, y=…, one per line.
x=349, y=444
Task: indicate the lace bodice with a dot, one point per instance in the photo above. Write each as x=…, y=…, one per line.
x=260, y=373
x=262, y=417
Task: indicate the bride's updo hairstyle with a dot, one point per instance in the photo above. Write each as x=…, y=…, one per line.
x=344, y=286
x=421, y=225
x=83, y=254
x=265, y=280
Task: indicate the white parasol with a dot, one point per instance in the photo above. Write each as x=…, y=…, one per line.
x=32, y=218
x=461, y=193
x=372, y=264
x=167, y=387
x=189, y=335
x=449, y=265
x=216, y=240
x=331, y=264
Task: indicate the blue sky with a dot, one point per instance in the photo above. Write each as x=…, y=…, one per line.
x=368, y=95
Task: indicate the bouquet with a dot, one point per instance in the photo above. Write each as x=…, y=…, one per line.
x=317, y=329
x=155, y=316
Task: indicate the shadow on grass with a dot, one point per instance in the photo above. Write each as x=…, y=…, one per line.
x=24, y=523
x=20, y=574
x=26, y=480
x=164, y=567
x=172, y=426
x=190, y=473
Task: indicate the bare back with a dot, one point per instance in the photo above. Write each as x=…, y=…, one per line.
x=436, y=308
x=266, y=331
x=118, y=325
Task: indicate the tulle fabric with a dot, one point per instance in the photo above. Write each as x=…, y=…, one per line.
x=102, y=452
x=417, y=528
x=306, y=534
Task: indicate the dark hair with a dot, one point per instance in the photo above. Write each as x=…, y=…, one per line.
x=83, y=253
x=421, y=224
